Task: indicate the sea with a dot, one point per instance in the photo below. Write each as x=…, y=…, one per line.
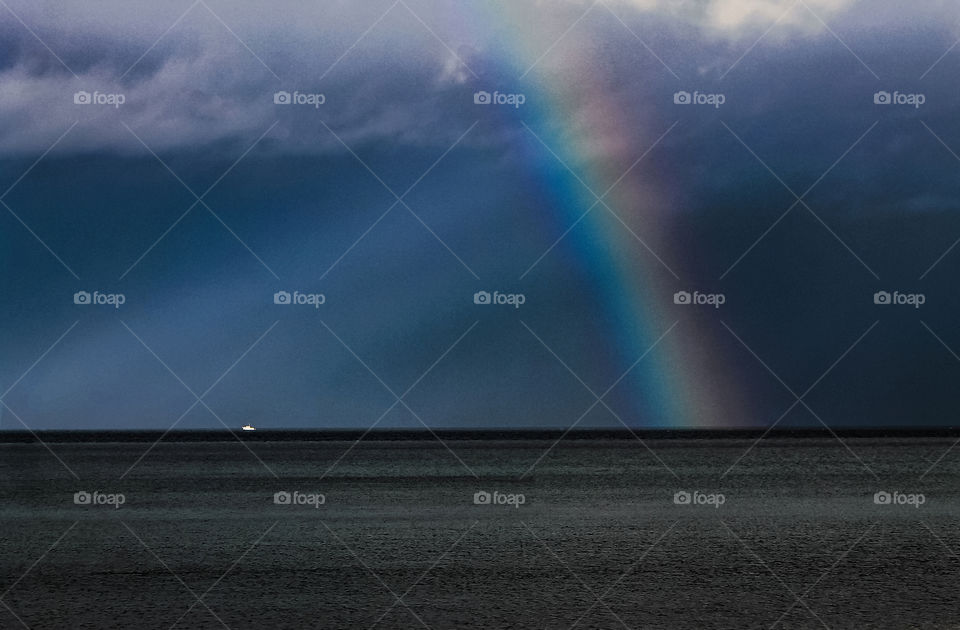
x=791, y=532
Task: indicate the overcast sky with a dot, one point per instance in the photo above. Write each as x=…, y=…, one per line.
x=703, y=197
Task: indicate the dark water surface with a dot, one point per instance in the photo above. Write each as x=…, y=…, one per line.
x=598, y=540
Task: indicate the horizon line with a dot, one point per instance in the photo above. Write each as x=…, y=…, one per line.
x=334, y=434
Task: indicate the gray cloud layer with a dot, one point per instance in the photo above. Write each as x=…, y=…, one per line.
x=195, y=82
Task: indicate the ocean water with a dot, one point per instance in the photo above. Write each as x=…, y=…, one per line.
x=587, y=534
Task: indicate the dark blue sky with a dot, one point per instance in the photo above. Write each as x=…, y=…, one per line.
x=302, y=198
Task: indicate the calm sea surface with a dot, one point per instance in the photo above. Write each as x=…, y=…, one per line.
x=592, y=535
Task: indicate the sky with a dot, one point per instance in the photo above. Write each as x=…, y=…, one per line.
x=526, y=214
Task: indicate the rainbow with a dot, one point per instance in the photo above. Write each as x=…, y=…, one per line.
x=682, y=382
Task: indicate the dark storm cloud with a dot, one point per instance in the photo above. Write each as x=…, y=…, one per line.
x=202, y=80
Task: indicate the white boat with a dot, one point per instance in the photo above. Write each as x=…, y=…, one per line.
x=249, y=427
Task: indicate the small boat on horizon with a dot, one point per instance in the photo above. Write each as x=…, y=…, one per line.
x=248, y=427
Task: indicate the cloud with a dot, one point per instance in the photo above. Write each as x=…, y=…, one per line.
x=732, y=18
x=209, y=80
x=205, y=82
